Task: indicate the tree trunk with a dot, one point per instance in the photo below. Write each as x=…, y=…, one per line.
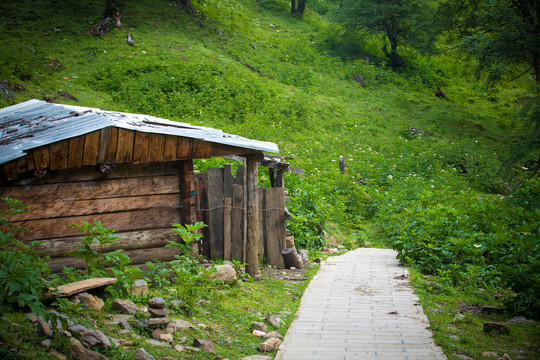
x=395, y=59
x=293, y=6
x=113, y=10
x=188, y=6
x=299, y=8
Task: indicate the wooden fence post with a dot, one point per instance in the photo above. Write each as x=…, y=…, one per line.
x=252, y=245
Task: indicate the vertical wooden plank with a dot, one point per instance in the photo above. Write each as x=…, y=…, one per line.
x=274, y=225
x=252, y=243
x=237, y=223
x=272, y=175
x=41, y=158
x=280, y=178
x=91, y=145
x=228, y=179
x=76, y=150
x=186, y=174
x=155, y=151
x=215, y=212
x=124, y=151
x=183, y=150
x=59, y=155
x=169, y=151
x=107, y=145
x=140, y=149
x=227, y=210
x=239, y=178
x=262, y=230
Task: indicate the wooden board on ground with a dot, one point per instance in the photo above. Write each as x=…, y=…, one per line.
x=80, y=286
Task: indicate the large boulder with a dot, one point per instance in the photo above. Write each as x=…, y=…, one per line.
x=124, y=306
x=79, y=352
x=87, y=301
x=225, y=273
x=89, y=337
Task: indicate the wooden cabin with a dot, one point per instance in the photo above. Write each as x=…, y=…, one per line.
x=134, y=173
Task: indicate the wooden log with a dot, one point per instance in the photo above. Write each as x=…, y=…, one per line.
x=292, y=258
x=122, y=221
x=274, y=225
x=237, y=223
x=130, y=240
x=228, y=180
x=76, y=152
x=227, y=210
x=124, y=151
x=58, y=209
x=91, y=148
x=252, y=267
x=113, y=188
x=83, y=285
x=139, y=256
x=215, y=211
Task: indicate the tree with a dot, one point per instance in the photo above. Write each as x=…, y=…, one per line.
x=112, y=12
x=188, y=6
x=402, y=22
x=298, y=9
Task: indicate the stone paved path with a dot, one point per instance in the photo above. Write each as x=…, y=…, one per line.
x=360, y=305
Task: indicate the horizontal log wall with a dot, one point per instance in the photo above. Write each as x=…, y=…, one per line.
x=141, y=202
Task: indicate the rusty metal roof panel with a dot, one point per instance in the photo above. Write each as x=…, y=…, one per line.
x=36, y=123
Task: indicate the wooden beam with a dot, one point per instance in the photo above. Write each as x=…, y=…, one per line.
x=252, y=245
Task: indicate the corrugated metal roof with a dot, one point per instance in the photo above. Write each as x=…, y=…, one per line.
x=36, y=123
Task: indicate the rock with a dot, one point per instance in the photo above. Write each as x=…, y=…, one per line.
x=462, y=355
x=259, y=326
x=273, y=334
x=117, y=318
x=225, y=273
x=205, y=345
x=490, y=354
x=125, y=306
x=156, y=334
x=269, y=345
x=79, y=352
x=318, y=260
x=88, y=301
x=124, y=324
x=139, y=287
x=89, y=337
x=57, y=355
x=43, y=328
x=156, y=343
x=178, y=348
x=170, y=328
x=304, y=254
x=256, y=357
x=520, y=319
x=227, y=262
x=360, y=79
x=272, y=320
x=156, y=303
x=493, y=327
x=506, y=357
x=177, y=304
x=458, y=316
x=158, y=312
x=191, y=348
x=492, y=310
x=142, y=354
x=182, y=324
x=46, y=343
x=155, y=322
x=166, y=337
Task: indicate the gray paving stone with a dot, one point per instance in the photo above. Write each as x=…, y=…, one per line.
x=359, y=306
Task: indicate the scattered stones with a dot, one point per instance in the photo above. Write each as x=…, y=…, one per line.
x=269, y=345
x=182, y=324
x=272, y=320
x=225, y=273
x=490, y=354
x=158, y=312
x=88, y=301
x=89, y=337
x=79, y=352
x=273, y=334
x=156, y=343
x=43, y=328
x=205, y=345
x=46, y=343
x=156, y=303
x=493, y=327
x=492, y=310
x=139, y=287
x=142, y=354
x=124, y=306
x=156, y=334
x=259, y=326
x=57, y=355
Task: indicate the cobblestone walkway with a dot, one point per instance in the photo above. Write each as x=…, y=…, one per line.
x=360, y=305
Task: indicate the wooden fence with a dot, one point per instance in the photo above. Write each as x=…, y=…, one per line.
x=221, y=198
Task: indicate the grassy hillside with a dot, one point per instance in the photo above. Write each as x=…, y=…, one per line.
x=442, y=194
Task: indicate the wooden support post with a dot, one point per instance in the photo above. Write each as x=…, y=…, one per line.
x=186, y=173
x=252, y=245
x=280, y=179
